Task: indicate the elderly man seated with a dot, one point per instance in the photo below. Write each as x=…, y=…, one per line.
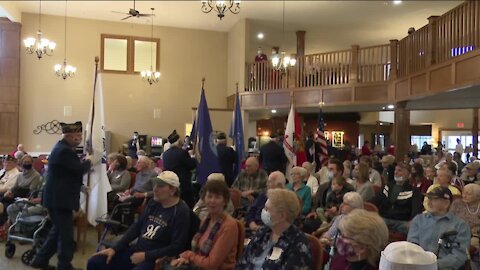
x=399, y=202
x=143, y=188
x=254, y=216
x=444, y=177
x=162, y=230
x=440, y=231
x=470, y=175
x=251, y=181
x=9, y=174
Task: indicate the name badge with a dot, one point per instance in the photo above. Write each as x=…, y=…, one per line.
x=276, y=253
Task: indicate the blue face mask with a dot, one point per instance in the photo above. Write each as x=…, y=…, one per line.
x=266, y=218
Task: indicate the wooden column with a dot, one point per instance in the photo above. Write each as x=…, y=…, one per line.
x=475, y=131
x=432, y=41
x=402, y=130
x=393, y=59
x=354, y=66
x=9, y=83
x=300, y=43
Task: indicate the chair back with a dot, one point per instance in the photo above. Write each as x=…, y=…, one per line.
x=236, y=196
x=370, y=207
x=241, y=238
x=377, y=189
x=316, y=249
x=133, y=177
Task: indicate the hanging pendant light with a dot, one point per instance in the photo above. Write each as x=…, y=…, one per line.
x=282, y=61
x=221, y=7
x=151, y=76
x=63, y=70
x=40, y=46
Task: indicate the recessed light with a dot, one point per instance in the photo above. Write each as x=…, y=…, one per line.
x=391, y=107
x=274, y=111
x=397, y=2
x=260, y=36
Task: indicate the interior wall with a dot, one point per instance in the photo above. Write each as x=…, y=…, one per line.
x=186, y=56
x=236, y=57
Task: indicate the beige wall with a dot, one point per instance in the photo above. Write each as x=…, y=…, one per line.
x=185, y=57
x=236, y=57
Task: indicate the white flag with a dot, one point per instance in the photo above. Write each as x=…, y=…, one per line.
x=99, y=184
x=288, y=142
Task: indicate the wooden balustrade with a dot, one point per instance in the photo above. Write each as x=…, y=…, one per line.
x=452, y=34
x=374, y=63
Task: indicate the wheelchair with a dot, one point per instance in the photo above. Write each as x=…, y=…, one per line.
x=116, y=223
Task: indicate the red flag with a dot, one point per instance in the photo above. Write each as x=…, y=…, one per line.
x=299, y=142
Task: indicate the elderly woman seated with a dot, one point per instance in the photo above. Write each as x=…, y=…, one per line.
x=201, y=208
x=468, y=209
x=351, y=201
x=215, y=244
x=118, y=176
x=361, y=237
x=298, y=176
x=279, y=244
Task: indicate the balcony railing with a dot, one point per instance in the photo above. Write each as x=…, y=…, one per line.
x=443, y=38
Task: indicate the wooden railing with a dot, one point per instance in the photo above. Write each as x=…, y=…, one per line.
x=443, y=38
x=374, y=63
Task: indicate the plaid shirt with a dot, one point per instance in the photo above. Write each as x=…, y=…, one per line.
x=256, y=182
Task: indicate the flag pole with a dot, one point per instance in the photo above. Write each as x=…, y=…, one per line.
x=234, y=109
x=196, y=117
x=89, y=150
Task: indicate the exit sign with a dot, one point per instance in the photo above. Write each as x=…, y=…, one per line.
x=460, y=125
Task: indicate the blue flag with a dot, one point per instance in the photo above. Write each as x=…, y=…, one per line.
x=236, y=133
x=206, y=149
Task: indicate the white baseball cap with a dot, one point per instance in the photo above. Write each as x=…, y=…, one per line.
x=167, y=178
x=404, y=255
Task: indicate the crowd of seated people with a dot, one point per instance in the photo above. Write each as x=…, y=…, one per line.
x=422, y=202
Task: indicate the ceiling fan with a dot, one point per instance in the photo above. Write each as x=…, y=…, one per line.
x=134, y=13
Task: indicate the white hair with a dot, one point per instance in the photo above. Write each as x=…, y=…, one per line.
x=354, y=199
x=475, y=188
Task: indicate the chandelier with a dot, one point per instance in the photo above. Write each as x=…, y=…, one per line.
x=151, y=76
x=40, y=46
x=221, y=7
x=64, y=71
x=283, y=61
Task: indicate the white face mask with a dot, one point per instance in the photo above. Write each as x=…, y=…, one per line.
x=398, y=178
x=266, y=218
x=330, y=175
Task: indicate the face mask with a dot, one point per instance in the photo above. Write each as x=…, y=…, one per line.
x=266, y=218
x=344, y=249
x=330, y=175
x=398, y=178
x=27, y=166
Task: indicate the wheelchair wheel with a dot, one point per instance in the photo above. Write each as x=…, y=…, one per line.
x=27, y=256
x=9, y=249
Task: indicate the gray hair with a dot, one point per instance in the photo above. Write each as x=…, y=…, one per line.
x=475, y=188
x=216, y=177
x=112, y=156
x=354, y=199
x=279, y=178
x=302, y=171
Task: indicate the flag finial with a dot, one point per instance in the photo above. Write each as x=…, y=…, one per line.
x=97, y=59
x=203, y=82
x=236, y=87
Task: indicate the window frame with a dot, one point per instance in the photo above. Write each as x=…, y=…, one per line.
x=130, y=53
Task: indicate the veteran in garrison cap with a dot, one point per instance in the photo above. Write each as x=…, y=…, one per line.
x=61, y=196
x=178, y=160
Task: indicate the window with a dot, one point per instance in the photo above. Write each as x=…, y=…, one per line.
x=418, y=140
x=129, y=55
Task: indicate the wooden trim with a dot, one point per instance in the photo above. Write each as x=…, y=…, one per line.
x=157, y=60
x=215, y=109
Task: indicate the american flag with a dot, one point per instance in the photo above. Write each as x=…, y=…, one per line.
x=321, y=140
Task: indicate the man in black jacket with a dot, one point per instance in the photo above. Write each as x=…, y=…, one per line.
x=61, y=195
x=399, y=202
x=227, y=158
x=272, y=156
x=177, y=160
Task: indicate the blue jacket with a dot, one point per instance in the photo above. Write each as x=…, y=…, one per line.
x=426, y=230
x=64, y=178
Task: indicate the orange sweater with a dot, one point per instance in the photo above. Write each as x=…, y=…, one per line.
x=224, y=250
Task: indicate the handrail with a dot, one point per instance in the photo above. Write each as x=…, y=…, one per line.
x=454, y=33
